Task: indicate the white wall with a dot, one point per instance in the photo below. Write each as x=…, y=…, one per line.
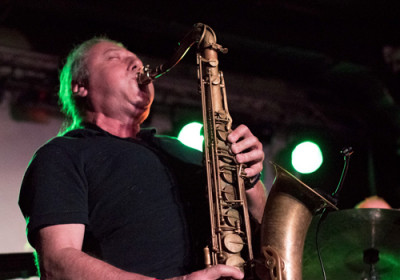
x=18, y=142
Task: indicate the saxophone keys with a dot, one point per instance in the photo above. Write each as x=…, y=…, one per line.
x=207, y=257
x=216, y=81
x=233, y=243
x=232, y=217
x=236, y=261
x=213, y=63
x=228, y=192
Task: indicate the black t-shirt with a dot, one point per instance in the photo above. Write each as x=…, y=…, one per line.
x=134, y=196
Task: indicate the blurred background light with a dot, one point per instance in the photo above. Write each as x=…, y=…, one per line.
x=307, y=157
x=190, y=135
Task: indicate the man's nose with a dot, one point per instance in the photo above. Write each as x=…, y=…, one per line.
x=134, y=64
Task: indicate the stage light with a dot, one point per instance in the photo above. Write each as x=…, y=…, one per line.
x=190, y=135
x=307, y=157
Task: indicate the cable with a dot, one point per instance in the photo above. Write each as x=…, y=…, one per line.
x=321, y=219
x=347, y=153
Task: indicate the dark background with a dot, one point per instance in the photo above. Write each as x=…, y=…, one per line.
x=295, y=69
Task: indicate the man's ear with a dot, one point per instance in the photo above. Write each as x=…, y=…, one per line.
x=79, y=89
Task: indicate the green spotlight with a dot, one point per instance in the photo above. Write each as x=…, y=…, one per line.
x=191, y=137
x=307, y=157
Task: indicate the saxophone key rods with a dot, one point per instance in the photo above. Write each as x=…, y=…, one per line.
x=230, y=240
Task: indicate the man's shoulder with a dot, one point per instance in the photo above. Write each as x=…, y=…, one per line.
x=70, y=141
x=176, y=148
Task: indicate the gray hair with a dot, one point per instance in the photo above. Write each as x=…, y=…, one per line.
x=75, y=70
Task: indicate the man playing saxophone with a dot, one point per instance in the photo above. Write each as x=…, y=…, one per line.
x=109, y=200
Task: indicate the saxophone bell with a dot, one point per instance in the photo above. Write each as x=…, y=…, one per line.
x=291, y=204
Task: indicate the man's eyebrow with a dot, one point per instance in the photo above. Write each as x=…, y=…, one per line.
x=112, y=50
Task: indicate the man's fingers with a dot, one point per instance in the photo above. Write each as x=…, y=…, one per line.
x=241, y=131
x=246, y=144
x=220, y=270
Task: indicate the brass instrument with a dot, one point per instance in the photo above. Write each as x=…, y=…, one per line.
x=290, y=205
x=287, y=216
x=230, y=222
x=230, y=241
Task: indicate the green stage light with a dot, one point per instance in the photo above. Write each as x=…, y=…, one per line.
x=191, y=137
x=307, y=157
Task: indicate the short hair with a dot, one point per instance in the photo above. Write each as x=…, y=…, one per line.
x=75, y=70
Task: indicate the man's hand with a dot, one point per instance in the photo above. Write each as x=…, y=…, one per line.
x=248, y=149
x=213, y=273
x=60, y=252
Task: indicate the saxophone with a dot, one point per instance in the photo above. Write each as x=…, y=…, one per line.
x=230, y=241
x=230, y=221
x=290, y=204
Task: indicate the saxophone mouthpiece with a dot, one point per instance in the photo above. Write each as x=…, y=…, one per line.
x=143, y=76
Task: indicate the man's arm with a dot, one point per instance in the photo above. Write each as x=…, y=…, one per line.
x=249, y=150
x=60, y=256
x=256, y=199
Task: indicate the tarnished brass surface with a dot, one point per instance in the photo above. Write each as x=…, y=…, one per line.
x=289, y=210
x=347, y=238
x=230, y=222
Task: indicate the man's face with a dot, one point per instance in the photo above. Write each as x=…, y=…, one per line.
x=112, y=85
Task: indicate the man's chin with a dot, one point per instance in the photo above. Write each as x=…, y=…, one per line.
x=143, y=116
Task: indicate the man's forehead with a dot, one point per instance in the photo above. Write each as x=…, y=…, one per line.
x=100, y=51
x=104, y=47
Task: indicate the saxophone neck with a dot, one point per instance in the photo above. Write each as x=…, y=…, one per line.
x=208, y=40
x=195, y=35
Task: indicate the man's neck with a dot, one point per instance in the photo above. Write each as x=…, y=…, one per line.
x=113, y=126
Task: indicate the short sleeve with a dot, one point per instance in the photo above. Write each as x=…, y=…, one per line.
x=54, y=190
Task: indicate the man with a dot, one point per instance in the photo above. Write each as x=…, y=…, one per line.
x=111, y=201
x=373, y=202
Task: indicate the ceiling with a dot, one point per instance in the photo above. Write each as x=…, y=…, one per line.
x=345, y=29
x=310, y=58
x=292, y=65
